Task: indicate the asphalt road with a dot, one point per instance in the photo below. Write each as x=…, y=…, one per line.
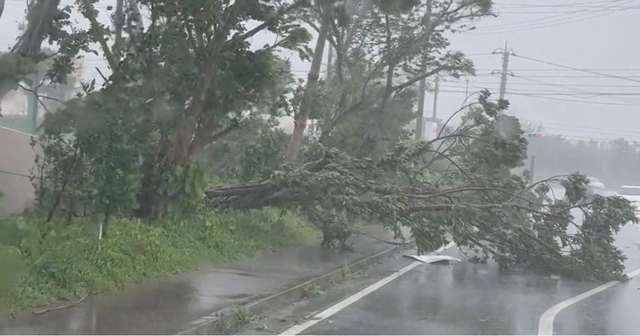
x=464, y=298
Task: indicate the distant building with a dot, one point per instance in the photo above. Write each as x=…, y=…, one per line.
x=17, y=127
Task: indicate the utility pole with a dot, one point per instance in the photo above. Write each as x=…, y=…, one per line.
x=420, y=119
x=436, y=90
x=32, y=106
x=466, y=91
x=533, y=167
x=423, y=85
x=421, y=99
x=506, y=52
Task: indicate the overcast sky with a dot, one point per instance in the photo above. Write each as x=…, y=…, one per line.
x=598, y=36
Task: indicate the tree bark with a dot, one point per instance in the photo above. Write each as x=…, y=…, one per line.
x=119, y=24
x=38, y=20
x=300, y=122
x=135, y=24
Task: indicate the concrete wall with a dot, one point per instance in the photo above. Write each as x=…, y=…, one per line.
x=16, y=158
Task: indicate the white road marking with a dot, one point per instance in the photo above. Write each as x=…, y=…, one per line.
x=295, y=330
x=545, y=325
x=348, y=301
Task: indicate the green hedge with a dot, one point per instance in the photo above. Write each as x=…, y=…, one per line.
x=62, y=262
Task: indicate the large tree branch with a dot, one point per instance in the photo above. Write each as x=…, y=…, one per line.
x=89, y=13
x=421, y=76
x=265, y=24
x=553, y=178
x=467, y=189
x=443, y=207
x=207, y=135
x=39, y=17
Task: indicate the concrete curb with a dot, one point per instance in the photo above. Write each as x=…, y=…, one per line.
x=226, y=320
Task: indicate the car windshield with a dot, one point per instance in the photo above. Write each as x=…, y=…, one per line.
x=629, y=191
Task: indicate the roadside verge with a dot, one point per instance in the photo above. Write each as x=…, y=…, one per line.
x=228, y=319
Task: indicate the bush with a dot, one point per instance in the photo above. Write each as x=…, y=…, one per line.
x=68, y=261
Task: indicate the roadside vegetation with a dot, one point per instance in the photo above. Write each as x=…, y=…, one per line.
x=175, y=157
x=53, y=261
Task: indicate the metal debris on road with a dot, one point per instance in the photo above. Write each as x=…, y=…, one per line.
x=430, y=259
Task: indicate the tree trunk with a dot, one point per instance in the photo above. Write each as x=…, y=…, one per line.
x=119, y=24
x=38, y=21
x=135, y=24
x=300, y=122
x=1, y=8
x=420, y=113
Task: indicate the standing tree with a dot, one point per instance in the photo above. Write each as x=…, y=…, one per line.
x=178, y=85
x=382, y=50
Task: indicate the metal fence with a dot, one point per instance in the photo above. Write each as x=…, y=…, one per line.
x=16, y=159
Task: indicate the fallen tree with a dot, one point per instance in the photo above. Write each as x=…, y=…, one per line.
x=459, y=186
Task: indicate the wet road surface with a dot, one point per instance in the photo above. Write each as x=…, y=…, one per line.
x=466, y=298
x=615, y=311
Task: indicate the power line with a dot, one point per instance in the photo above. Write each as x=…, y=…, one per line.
x=578, y=69
x=576, y=101
x=569, y=87
x=559, y=93
x=572, y=5
x=552, y=18
x=583, y=10
x=541, y=83
x=580, y=90
x=584, y=94
x=563, y=70
x=540, y=96
x=577, y=128
x=555, y=76
x=523, y=26
x=480, y=54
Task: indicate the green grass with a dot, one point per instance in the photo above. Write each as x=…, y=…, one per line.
x=311, y=290
x=346, y=274
x=242, y=315
x=69, y=262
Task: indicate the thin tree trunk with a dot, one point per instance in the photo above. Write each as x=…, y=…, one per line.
x=119, y=24
x=1, y=7
x=421, y=97
x=300, y=122
x=134, y=19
